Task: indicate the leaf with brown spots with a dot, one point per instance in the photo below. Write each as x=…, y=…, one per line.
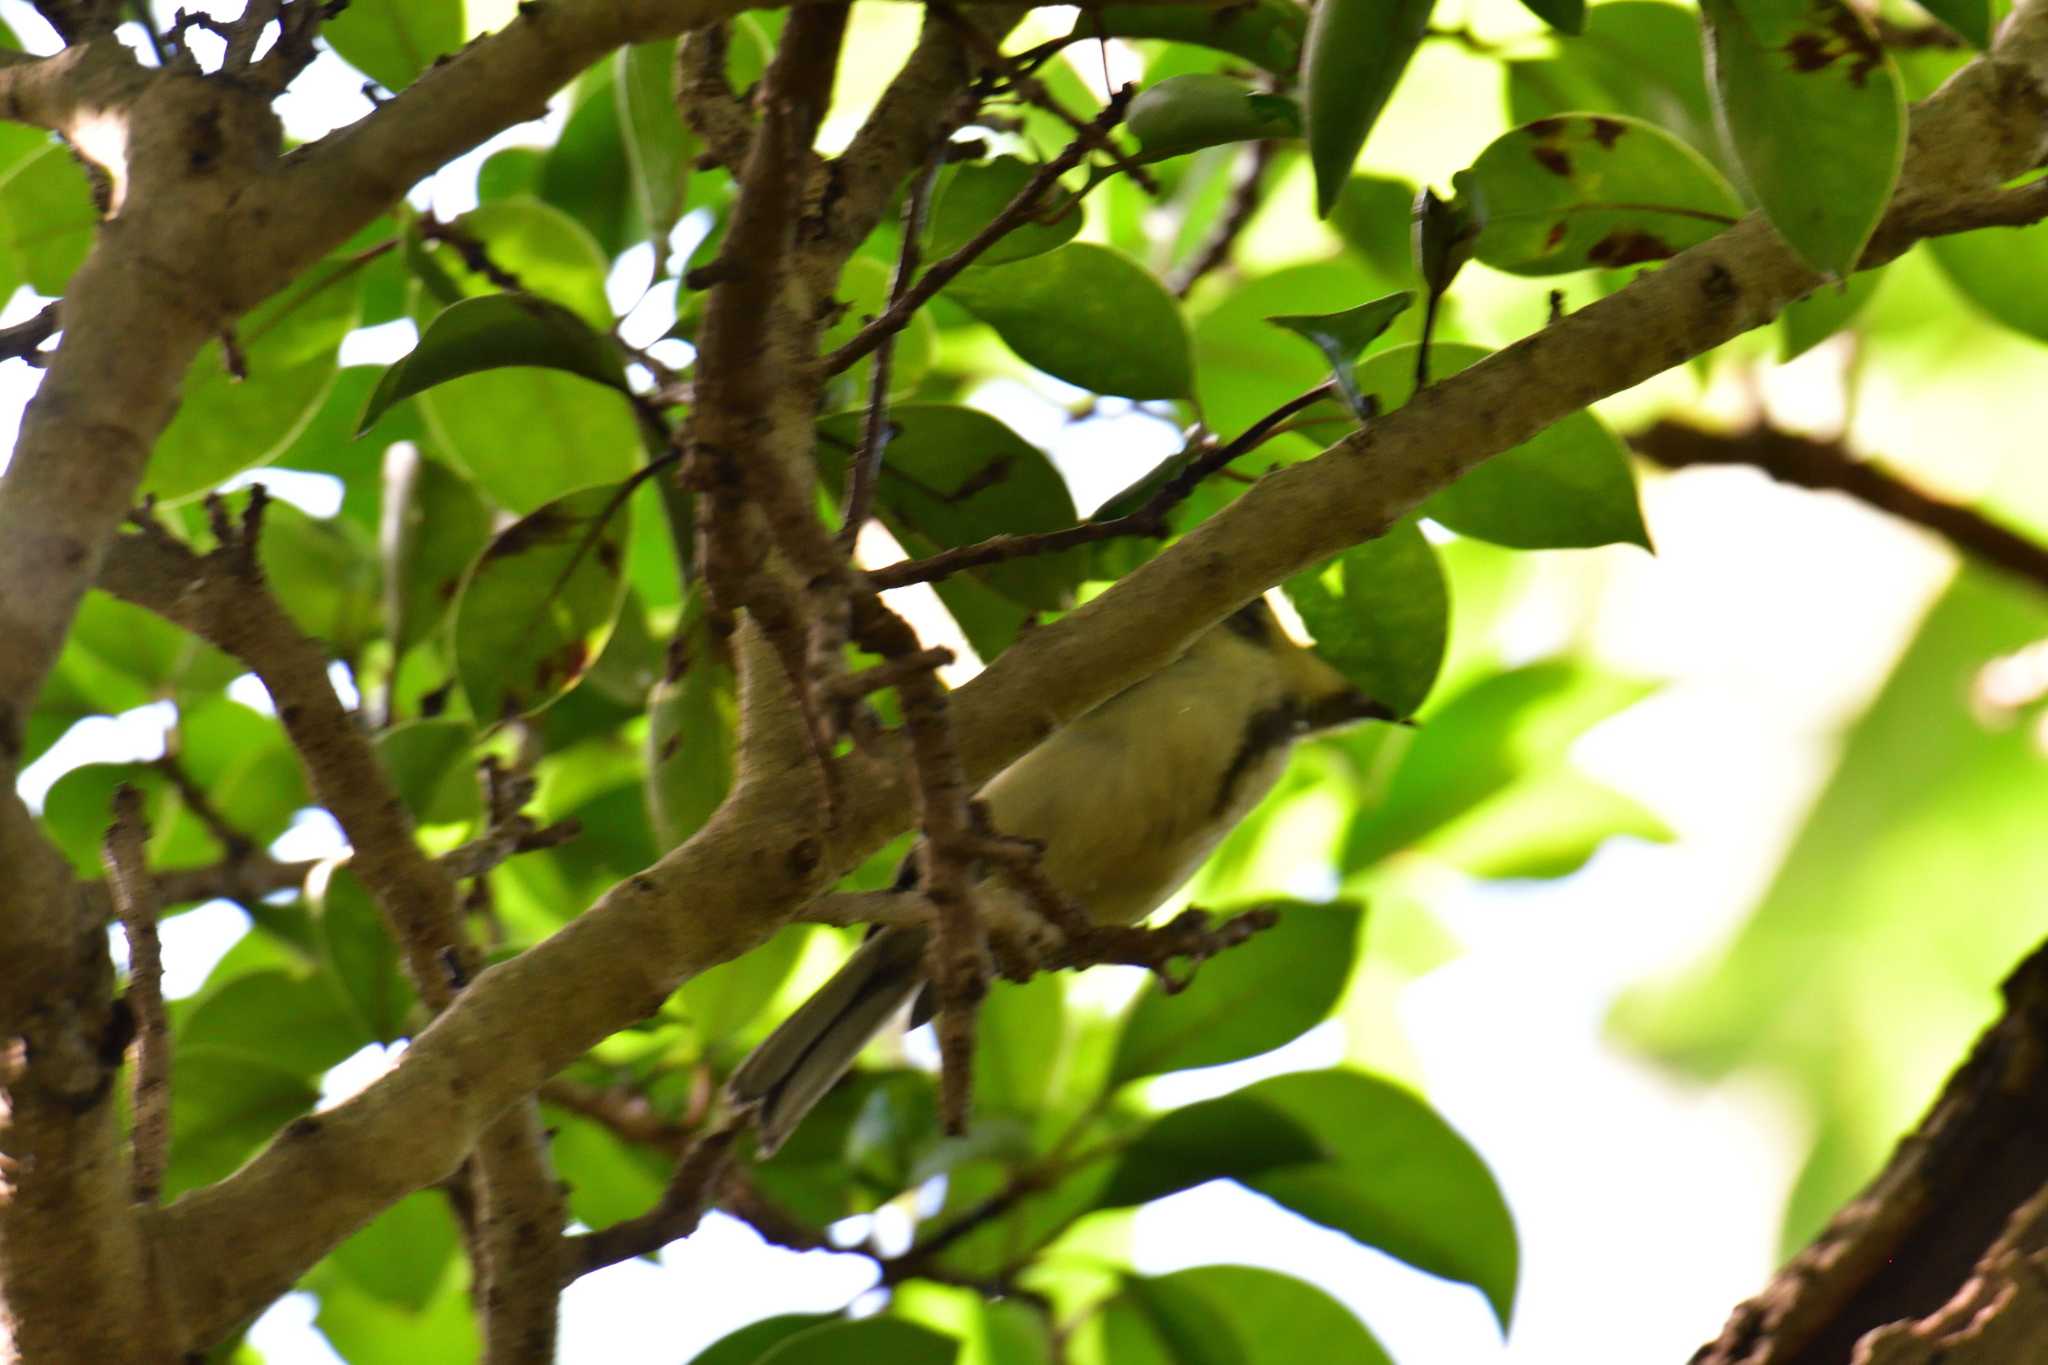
x=1816, y=114
x=1583, y=190
x=539, y=606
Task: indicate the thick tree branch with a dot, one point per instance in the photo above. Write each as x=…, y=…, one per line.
x=1795, y=459
x=722, y=892
x=1930, y=1220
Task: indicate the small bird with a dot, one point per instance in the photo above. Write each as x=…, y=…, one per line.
x=1127, y=801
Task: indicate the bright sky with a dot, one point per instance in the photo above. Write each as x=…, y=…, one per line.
x=1601, y=1157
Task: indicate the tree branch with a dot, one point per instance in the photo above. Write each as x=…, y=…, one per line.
x=136, y=902
x=1930, y=1220
x=1827, y=465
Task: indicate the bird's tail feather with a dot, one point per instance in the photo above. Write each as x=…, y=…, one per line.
x=795, y=1065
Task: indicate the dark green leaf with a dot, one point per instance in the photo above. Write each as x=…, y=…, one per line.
x=357, y=949
x=494, y=332
x=1171, y=1323
x=1542, y=826
x=1186, y=113
x=954, y=476
x=588, y=173
x=393, y=41
x=1017, y=1044
x=1355, y=54
x=970, y=198
x=750, y=1343
x=1970, y=18
x=719, y=1003
x=1258, y=996
x=1371, y=215
x=1085, y=314
x=508, y=173
x=541, y=602
x=1815, y=112
x=430, y=765
x=1235, y=1137
x=1343, y=337
x=1279, y=1319
x=325, y=574
x=1566, y=16
x=1268, y=32
x=1380, y=612
x=871, y=1339
x=549, y=253
x=1570, y=486
x=281, y=1019
x=1579, y=191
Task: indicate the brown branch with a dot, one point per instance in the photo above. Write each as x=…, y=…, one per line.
x=689, y=1193
x=1999, y=1316
x=23, y=340
x=1246, y=195
x=1149, y=519
x=1919, y=1230
x=135, y=901
x=1828, y=465
x=942, y=272
x=707, y=102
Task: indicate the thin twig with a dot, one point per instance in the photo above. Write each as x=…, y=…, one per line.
x=1801, y=460
x=942, y=272
x=1146, y=520
x=135, y=903
x=688, y=1194
x=22, y=340
x=864, y=470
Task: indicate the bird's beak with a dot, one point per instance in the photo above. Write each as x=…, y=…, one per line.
x=1345, y=708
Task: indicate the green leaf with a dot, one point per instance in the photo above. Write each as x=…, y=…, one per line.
x=954, y=476
x=872, y=1339
x=659, y=147
x=1343, y=337
x=46, y=207
x=494, y=332
x=402, y=1257
x=225, y=425
x=1969, y=18
x=325, y=574
x=722, y=1001
x=864, y=287
x=224, y=1106
x=1351, y=1152
x=972, y=195
x=1570, y=486
x=366, y=1330
x=328, y=443
x=1543, y=826
x=750, y=1343
x=1187, y=113
x=1262, y=994
x=1267, y=32
x=691, y=722
x=608, y=1181
x=1017, y=1044
x=1471, y=748
x=278, y=1018
x=1170, y=1323
x=538, y=607
x=393, y=41
x=1994, y=268
x=430, y=765
x=1244, y=370
x=1815, y=112
x=1372, y=216
x=1638, y=57
x=1380, y=612
x=1085, y=314
x=1566, y=16
x=1355, y=54
x=1813, y=319
x=1280, y=1320
x=434, y=527
x=529, y=437
x=1583, y=191
x=587, y=173
x=356, y=948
